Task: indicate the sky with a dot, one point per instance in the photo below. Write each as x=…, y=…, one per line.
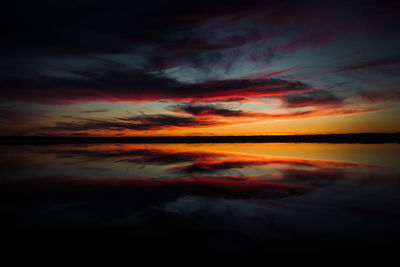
x=159, y=68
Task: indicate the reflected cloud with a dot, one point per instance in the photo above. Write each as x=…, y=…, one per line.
x=176, y=164
x=186, y=193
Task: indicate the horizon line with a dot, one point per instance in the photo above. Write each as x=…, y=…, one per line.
x=301, y=138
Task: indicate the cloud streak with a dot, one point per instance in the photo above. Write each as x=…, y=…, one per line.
x=137, y=123
x=372, y=64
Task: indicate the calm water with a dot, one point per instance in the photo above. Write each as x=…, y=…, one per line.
x=236, y=201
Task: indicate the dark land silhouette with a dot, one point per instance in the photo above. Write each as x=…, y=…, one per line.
x=363, y=138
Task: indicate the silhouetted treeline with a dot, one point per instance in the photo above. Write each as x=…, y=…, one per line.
x=365, y=138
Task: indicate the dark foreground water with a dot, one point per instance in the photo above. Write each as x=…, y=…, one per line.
x=120, y=203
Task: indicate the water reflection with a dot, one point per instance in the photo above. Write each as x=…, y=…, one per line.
x=243, y=199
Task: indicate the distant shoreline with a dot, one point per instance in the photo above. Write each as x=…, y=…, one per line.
x=363, y=138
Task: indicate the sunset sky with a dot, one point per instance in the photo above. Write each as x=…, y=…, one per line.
x=152, y=68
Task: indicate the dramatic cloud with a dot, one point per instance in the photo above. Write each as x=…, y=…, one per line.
x=200, y=117
x=294, y=56
x=138, y=123
x=133, y=85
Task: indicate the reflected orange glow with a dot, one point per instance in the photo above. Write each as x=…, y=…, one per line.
x=380, y=154
x=276, y=169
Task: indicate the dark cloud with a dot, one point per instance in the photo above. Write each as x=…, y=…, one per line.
x=381, y=95
x=100, y=110
x=115, y=26
x=312, y=98
x=131, y=85
x=212, y=110
x=42, y=37
x=138, y=123
x=106, y=27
